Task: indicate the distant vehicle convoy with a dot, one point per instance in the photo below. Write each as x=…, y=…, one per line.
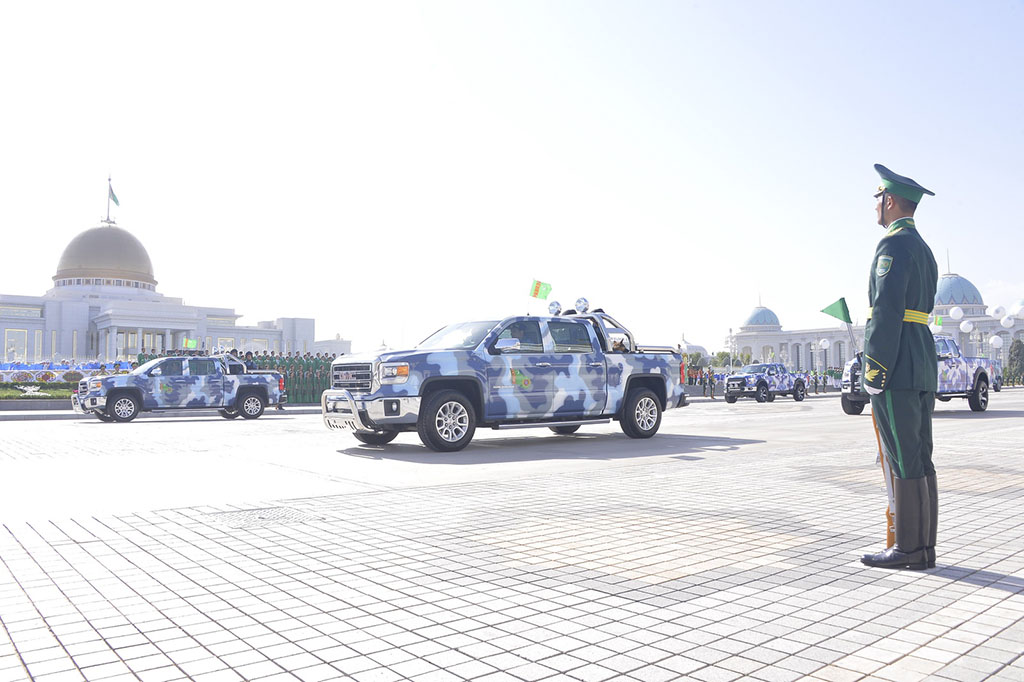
x=959, y=377
x=764, y=381
x=568, y=370
x=218, y=381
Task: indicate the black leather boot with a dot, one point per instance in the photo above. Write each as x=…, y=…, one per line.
x=910, y=497
x=933, y=517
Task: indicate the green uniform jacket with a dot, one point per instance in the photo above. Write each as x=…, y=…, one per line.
x=899, y=354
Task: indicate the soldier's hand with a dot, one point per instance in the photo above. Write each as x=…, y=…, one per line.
x=872, y=390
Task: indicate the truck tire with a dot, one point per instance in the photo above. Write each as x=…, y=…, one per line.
x=761, y=395
x=447, y=421
x=124, y=407
x=799, y=391
x=103, y=417
x=770, y=397
x=978, y=398
x=228, y=412
x=641, y=415
x=382, y=438
x=565, y=430
x=730, y=399
x=851, y=407
x=251, y=405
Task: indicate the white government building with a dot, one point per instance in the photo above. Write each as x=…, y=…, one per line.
x=762, y=336
x=104, y=305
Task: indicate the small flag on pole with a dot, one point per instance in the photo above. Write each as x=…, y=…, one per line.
x=540, y=289
x=190, y=343
x=112, y=196
x=839, y=311
x=938, y=320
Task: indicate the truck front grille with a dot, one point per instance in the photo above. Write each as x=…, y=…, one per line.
x=83, y=386
x=356, y=378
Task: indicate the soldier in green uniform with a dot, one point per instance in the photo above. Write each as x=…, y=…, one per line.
x=899, y=370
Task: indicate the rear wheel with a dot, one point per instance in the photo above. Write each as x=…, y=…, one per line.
x=251, y=405
x=565, y=430
x=447, y=422
x=228, y=412
x=762, y=393
x=382, y=438
x=123, y=408
x=641, y=415
x=851, y=407
x=799, y=391
x=978, y=399
x=730, y=398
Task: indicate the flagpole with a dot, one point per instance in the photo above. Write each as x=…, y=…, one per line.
x=109, y=186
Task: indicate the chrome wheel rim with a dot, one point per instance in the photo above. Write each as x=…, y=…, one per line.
x=983, y=394
x=451, y=421
x=124, y=407
x=251, y=405
x=646, y=414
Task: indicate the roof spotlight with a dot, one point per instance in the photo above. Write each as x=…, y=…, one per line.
x=554, y=308
x=582, y=304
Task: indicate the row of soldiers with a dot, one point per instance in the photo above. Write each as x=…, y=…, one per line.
x=305, y=376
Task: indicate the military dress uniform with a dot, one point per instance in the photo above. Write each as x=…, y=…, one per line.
x=899, y=364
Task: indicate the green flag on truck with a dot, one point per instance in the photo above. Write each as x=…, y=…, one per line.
x=540, y=289
x=839, y=311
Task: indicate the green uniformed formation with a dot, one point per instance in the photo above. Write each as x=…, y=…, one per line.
x=305, y=376
x=899, y=371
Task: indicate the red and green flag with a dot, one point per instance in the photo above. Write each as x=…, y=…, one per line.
x=839, y=311
x=190, y=344
x=540, y=289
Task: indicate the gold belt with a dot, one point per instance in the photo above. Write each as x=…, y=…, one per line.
x=911, y=316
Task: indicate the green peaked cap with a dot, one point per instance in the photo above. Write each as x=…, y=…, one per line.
x=900, y=185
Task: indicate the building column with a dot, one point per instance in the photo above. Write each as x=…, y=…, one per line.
x=138, y=340
x=113, y=342
x=168, y=342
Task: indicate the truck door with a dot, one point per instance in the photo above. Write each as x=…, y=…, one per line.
x=206, y=383
x=580, y=382
x=519, y=379
x=952, y=368
x=170, y=386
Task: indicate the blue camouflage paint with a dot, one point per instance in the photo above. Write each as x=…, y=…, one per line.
x=536, y=385
x=782, y=382
x=181, y=391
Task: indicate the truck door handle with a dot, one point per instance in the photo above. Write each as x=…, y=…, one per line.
x=596, y=364
x=543, y=364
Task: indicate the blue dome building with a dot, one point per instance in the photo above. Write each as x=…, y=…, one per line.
x=761, y=319
x=956, y=290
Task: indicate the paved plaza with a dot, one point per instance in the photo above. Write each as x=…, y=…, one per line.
x=727, y=547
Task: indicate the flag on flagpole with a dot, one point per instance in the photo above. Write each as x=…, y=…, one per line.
x=111, y=195
x=540, y=289
x=839, y=311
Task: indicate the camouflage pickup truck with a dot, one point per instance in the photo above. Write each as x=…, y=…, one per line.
x=219, y=382
x=959, y=376
x=562, y=372
x=764, y=381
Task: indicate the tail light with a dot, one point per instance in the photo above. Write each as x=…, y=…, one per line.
x=682, y=373
x=280, y=383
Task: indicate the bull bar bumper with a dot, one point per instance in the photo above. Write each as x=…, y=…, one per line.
x=341, y=410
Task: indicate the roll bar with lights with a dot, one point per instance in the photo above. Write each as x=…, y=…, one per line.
x=605, y=324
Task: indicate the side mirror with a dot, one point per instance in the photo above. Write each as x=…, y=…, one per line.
x=945, y=356
x=507, y=346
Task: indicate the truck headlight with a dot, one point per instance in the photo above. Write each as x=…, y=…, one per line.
x=394, y=372
x=94, y=384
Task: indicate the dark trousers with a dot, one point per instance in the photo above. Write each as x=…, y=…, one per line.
x=904, y=421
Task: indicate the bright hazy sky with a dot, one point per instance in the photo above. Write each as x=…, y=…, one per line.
x=387, y=168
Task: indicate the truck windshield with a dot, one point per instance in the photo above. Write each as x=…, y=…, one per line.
x=463, y=336
x=146, y=366
x=754, y=369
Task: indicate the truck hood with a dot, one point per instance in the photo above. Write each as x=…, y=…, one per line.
x=411, y=355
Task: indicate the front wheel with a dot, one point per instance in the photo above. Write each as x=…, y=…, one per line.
x=978, y=399
x=252, y=406
x=851, y=407
x=641, y=416
x=770, y=397
x=228, y=412
x=799, y=392
x=730, y=398
x=382, y=438
x=565, y=430
x=124, y=408
x=447, y=422
x=761, y=395
x=103, y=417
